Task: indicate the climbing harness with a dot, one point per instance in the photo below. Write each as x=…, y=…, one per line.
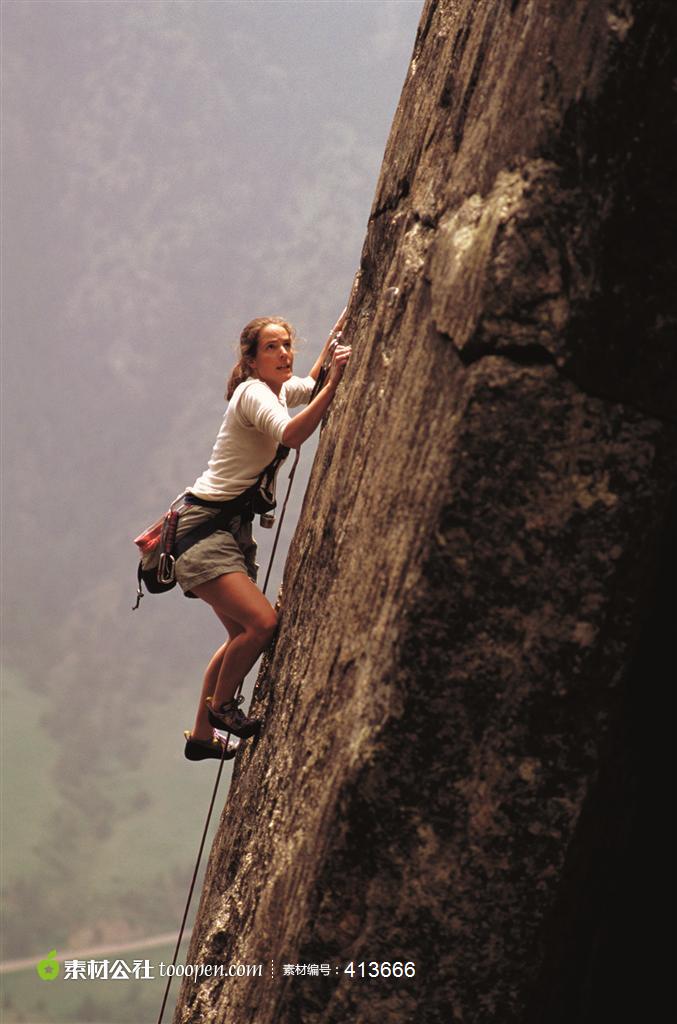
x=265, y=486
x=160, y=538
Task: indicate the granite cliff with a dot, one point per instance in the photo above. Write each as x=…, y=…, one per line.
x=451, y=771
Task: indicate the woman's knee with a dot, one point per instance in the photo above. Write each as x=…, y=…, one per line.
x=263, y=626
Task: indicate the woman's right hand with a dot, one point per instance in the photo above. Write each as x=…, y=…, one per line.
x=339, y=361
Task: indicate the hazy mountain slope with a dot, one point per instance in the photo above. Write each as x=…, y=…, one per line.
x=171, y=170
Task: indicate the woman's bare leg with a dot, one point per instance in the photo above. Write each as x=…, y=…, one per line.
x=202, y=730
x=250, y=620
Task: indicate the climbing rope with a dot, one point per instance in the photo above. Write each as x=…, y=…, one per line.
x=225, y=747
x=281, y=519
x=197, y=868
x=321, y=377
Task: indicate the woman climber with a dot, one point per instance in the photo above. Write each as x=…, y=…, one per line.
x=220, y=568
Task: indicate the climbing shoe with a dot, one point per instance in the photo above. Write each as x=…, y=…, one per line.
x=229, y=718
x=200, y=750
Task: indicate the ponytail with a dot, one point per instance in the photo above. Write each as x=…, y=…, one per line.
x=238, y=374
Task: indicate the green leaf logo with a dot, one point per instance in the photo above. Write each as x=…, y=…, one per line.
x=48, y=969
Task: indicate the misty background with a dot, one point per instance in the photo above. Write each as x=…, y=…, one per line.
x=170, y=170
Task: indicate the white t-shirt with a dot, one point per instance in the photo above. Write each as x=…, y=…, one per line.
x=251, y=430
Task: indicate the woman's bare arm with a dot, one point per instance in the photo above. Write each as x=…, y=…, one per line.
x=302, y=425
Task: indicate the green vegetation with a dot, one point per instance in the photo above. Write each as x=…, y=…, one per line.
x=29, y=754
x=93, y=857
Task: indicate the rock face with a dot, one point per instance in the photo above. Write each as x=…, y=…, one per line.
x=448, y=770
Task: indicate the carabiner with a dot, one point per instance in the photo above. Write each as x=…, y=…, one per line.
x=165, y=569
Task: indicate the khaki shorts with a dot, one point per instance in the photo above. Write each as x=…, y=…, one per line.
x=224, y=551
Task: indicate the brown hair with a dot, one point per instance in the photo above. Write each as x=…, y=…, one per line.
x=249, y=340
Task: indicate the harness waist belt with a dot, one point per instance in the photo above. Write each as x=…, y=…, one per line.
x=237, y=503
x=240, y=506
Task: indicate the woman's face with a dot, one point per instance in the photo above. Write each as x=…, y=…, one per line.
x=274, y=359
